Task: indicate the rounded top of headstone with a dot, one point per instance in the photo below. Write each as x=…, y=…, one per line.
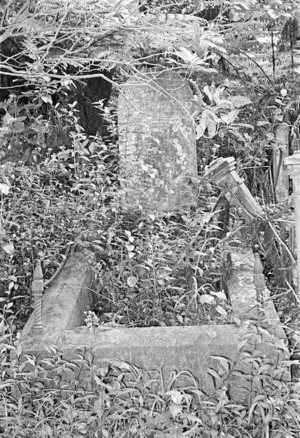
x=169, y=83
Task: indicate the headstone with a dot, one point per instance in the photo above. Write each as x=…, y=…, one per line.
x=157, y=141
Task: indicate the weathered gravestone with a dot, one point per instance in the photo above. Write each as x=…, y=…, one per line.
x=157, y=141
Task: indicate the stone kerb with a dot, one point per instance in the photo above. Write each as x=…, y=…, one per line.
x=157, y=141
x=65, y=301
x=173, y=348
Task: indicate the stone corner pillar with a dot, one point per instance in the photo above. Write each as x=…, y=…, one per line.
x=280, y=153
x=292, y=164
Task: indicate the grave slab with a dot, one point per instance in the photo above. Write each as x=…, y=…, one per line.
x=172, y=348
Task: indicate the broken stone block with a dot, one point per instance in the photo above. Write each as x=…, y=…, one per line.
x=222, y=172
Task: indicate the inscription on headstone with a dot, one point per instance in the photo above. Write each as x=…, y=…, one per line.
x=157, y=141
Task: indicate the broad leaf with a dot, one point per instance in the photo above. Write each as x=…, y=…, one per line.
x=176, y=396
x=175, y=409
x=221, y=295
x=230, y=117
x=4, y=188
x=132, y=281
x=206, y=299
x=8, y=247
x=239, y=101
x=220, y=310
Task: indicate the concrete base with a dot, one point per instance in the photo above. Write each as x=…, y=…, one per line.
x=172, y=348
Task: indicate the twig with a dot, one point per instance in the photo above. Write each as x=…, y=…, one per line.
x=281, y=242
x=61, y=266
x=257, y=64
x=293, y=291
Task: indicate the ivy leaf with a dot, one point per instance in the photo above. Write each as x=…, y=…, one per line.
x=220, y=310
x=185, y=54
x=18, y=127
x=4, y=188
x=176, y=396
x=130, y=247
x=208, y=93
x=200, y=129
x=8, y=247
x=274, y=14
x=230, y=117
x=8, y=119
x=237, y=321
x=132, y=281
x=130, y=237
x=262, y=123
x=283, y=92
x=270, y=136
x=211, y=128
x=245, y=125
x=47, y=99
x=221, y=295
x=175, y=409
x=237, y=134
x=239, y=101
x=206, y=299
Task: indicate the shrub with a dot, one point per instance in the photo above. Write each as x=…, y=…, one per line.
x=162, y=271
x=154, y=270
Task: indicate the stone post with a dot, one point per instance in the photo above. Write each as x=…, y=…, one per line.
x=37, y=288
x=280, y=152
x=222, y=172
x=259, y=279
x=292, y=164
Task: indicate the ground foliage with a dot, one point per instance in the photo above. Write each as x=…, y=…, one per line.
x=59, y=397
x=152, y=270
x=241, y=60
x=164, y=271
x=232, y=55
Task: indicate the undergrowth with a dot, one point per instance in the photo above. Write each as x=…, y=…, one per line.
x=57, y=396
x=152, y=270
x=164, y=271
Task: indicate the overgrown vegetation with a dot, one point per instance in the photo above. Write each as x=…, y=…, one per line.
x=59, y=188
x=152, y=270
x=164, y=271
x=57, y=397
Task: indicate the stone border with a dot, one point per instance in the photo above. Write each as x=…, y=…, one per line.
x=66, y=300
x=172, y=348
